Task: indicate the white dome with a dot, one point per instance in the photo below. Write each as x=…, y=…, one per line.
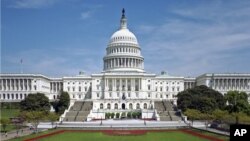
x=123, y=35
x=123, y=53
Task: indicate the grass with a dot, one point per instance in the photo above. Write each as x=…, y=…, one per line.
x=212, y=134
x=8, y=113
x=32, y=135
x=99, y=136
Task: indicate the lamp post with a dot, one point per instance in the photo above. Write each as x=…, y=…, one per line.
x=144, y=121
x=101, y=120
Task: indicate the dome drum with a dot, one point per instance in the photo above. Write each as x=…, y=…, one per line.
x=123, y=52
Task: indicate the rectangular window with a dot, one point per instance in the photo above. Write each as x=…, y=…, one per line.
x=110, y=88
x=80, y=89
x=68, y=89
x=129, y=88
x=97, y=94
x=148, y=87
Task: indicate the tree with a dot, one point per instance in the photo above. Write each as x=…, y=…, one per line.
x=35, y=102
x=4, y=123
x=34, y=117
x=237, y=102
x=52, y=117
x=193, y=114
x=219, y=114
x=63, y=103
x=201, y=98
x=207, y=117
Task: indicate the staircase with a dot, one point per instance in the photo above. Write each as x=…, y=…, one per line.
x=167, y=111
x=79, y=111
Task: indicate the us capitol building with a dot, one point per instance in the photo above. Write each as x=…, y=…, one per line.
x=122, y=86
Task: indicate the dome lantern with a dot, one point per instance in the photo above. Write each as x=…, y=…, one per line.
x=123, y=21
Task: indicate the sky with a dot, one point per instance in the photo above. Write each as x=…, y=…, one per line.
x=182, y=37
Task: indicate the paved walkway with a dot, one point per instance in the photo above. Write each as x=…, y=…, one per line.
x=117, y=124
x=16, y=133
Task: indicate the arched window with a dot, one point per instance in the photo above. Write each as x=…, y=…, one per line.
x=12, y=96
x=137, y=106
x=130, y=106
x=145, y=106
x=101, y=106
x=3, y=96
x=116, y=106
x=21, y=96
x=108, y=107
x=8, y=96
x=54, y=97
x=16, y=96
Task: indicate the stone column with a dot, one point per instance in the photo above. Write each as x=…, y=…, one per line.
x=1, y=83
x=10, y=84
x=126, y=84
x=120, y=85
x=23, y=85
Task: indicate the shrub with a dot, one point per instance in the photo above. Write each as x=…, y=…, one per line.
x=123, y=115
x=129, y=114
x=117, y=115
x=107, y=115
x=112, y=115
x=134, y=114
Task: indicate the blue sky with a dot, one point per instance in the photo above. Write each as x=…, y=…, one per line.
x=184, y=37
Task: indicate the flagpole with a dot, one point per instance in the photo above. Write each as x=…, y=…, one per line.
x=21, y=66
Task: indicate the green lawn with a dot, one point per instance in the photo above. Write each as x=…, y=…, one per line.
x=98, y=136
x=212, y=134
x=8, y=113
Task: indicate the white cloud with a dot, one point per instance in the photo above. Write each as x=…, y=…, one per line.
x=32, y=3
x=193, y=46
x=86, y=15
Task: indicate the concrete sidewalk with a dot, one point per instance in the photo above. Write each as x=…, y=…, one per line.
x=16, y=133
